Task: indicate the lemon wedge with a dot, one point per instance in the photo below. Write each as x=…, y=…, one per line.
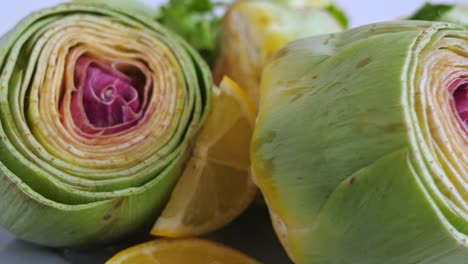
x=216, y=186
x=193, y=251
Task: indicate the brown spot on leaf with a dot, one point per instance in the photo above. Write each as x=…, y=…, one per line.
x=13, y=187
x=295, y=93
x=296, y=97
x=327, y=41
x=265, y=139
x=107, y=216
x=117, y=204
x=352, y=180
x=363, y=62
x=281, y=53
x=395, y=127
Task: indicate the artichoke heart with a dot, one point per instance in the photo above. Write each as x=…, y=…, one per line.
x=252, y=31
x=360, y=147
x=99, y=107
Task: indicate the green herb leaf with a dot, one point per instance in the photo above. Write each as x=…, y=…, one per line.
x=196, y=21
x=202, y=6
x=339, y=14
x=431, y=12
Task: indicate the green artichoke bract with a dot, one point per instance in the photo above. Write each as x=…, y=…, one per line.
x=360, y=147
x=252, y=31
x=98, y=110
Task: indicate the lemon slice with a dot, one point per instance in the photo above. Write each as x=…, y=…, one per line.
x=216, y=186
x=193, y=251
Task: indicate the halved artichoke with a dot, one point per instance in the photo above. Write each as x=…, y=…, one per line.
x=360, y=147
x=98, y=107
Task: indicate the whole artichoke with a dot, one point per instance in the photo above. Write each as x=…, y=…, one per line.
x=252, y=31
x=99, y=106
x=360, y=148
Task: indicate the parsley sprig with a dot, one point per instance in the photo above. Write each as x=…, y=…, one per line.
x=197, y=21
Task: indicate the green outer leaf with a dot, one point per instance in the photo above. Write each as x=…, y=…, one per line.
x=387, y=208
x=131, y=6
x=334, y=107
x=34, y=218
x=334, y=73
x=39, y=206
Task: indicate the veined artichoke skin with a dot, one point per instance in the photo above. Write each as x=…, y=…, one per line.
x=359, y=150
x=82, y=162
x=252, y=31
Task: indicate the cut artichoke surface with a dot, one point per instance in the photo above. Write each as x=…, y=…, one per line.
x=98, y=111
x=252, y=31
x=360, y=147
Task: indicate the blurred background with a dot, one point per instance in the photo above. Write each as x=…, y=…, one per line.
x=360, y=11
